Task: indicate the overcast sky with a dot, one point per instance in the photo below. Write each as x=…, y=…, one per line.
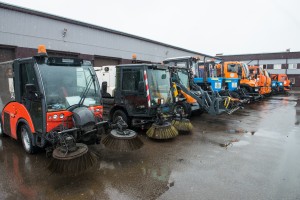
x=206, y=26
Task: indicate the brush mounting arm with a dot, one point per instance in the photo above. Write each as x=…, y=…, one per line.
x=120, y=125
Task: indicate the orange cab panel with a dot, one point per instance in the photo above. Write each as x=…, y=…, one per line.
x=12, y=113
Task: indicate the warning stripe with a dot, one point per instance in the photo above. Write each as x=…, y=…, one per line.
x=147, y=88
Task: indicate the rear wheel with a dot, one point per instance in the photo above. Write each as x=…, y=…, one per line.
x=120, y=113
x=27, y=139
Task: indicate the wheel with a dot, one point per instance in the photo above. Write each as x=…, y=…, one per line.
x=27, y=139
x=185, y=107
x=122, y=114
x=1, y=130
x=234, y=95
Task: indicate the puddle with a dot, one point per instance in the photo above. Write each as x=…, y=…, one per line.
x=106, y=165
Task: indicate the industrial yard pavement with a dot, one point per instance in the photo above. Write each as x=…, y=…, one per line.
x=251, y=154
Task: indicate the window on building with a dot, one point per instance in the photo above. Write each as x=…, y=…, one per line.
x=293, y=66
x=270, y=66
x=277, y=66
x=284, y=66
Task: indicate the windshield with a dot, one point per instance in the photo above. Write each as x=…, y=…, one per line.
x=183, y=77
x=246, y=70
x=64, y=86
x=232, y=68
x=208, y=69
x=159, y=85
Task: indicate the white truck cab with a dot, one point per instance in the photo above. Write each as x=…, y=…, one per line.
x=107, y=74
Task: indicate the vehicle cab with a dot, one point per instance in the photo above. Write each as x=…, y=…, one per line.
x=46, y=96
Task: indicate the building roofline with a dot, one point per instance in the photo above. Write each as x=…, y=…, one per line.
x=71, y=21
x=267, y=53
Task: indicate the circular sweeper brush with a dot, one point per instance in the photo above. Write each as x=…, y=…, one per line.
x=124, y=140
x=71, y=158
x=161, y=131
x=183, y=125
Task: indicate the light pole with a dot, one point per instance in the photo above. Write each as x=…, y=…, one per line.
x=286, y=59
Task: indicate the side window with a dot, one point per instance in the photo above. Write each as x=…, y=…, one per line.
x=131, y=79
x=27, y=76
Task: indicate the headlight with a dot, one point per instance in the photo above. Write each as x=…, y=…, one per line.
x=256, y=89
x=61, y=116
x=55, y=116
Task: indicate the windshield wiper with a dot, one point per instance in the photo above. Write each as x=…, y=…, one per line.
x=85, y=92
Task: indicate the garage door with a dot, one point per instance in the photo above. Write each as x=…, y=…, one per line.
x=6, y=54
x=100, y=61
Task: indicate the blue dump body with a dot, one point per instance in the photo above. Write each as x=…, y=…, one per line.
x=216, y=83
x=232, y=83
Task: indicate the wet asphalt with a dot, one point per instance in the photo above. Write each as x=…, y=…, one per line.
x=251, y=154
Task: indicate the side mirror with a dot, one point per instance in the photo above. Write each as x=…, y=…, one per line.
x=141, y=87
x=163, y=76
x=104, y=87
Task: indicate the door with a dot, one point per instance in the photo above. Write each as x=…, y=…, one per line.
x=103, y=61
x=29, y=93
x=135, y=100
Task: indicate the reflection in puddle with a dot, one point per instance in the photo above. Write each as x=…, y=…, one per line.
x=1, y=146
x=161, y=173
x=297, y=121
x=106, y=165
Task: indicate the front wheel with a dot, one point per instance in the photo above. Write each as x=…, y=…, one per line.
x=187, y=111
x=234, y=95
x=27, y=139
x=120, y=113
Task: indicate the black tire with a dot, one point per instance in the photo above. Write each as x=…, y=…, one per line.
x=122, y=114
x=1, y=128
x=234, y=95
x=185, y=106
x=26, y=138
